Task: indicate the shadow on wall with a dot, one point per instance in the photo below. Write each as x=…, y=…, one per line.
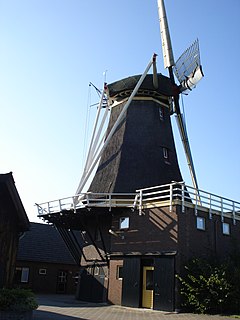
x=165, y=222
x=91, y=287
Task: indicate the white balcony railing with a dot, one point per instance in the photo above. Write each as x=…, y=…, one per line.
x=164, y=195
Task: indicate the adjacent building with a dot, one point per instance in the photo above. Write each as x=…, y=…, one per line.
x=44, y=263
x=13, y=223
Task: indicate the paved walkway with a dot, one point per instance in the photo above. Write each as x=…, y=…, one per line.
x=63, y=307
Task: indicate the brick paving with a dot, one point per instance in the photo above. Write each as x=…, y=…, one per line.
x=63, y=307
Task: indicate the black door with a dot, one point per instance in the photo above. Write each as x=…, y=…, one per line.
x=164, y=282
x=131, y=282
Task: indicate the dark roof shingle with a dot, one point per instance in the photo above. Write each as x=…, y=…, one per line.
x=43, y=243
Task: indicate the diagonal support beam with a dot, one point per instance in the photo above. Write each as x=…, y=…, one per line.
x=111, y=133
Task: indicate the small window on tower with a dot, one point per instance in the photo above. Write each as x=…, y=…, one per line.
x=201, y=223
x=161, y=113
x=165, y=153
x=89, y=271
x=226, y=228
x=96, y=271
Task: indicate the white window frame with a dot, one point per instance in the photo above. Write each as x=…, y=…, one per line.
x=161, y=115
x=165, y=153
x=76, y=277
x=42, y=271
x=89, y=271
x=25, y=275
x=117, y=274
x=201, y=223
x=124, y=225
x=62, y=276
x=96, y=271
x=226, y=228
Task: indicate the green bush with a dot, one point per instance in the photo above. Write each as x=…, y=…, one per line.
x=17, y=300
x=205, y=287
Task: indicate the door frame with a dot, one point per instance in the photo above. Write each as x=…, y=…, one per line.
x=147, y=294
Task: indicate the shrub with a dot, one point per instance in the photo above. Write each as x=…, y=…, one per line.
x=205, y=287
x=17, y=300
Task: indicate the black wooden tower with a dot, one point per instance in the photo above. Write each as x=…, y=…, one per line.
x=141, y=152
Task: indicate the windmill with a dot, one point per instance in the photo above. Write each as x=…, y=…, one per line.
x=137, y=150
x=136, y=163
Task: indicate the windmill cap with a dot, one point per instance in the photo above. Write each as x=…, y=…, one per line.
x=165, y=86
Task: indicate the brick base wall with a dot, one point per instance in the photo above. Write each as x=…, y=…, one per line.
x=115, y=285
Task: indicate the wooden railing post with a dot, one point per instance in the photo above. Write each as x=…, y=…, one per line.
x=183, y=197
x=110, y=202
x=210, y=206
x=234, y=213
x=140, y=202
x=171, y=197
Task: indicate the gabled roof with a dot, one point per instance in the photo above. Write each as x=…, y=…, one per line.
x=10, y=199
x=43, y=243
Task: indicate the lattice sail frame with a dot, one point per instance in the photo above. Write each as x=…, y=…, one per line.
x=188, y=68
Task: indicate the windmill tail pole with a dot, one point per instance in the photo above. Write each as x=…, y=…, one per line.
x=155, y=76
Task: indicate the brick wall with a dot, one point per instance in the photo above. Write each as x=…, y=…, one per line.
x=115, y=285
x=205, y=243
x=155, y=230
x=48, y=283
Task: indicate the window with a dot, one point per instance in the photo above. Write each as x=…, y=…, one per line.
x=62, y=276
x=42, y=271
x=161, y=113
x=200, y=223
x=21, y=275
x=149, y=280
x=83, y=234
x=124, y=223
x=226, y=228
x=165, y=153
x=25, y=273
x=96, y=271
x=119, y=275
x=89, y=271
x=76, y=277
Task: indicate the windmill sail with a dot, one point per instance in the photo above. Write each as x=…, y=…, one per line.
x=165, y=36
x=188, y=69
x=187, y=149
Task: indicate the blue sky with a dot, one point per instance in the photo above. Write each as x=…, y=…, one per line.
x=51, y=49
